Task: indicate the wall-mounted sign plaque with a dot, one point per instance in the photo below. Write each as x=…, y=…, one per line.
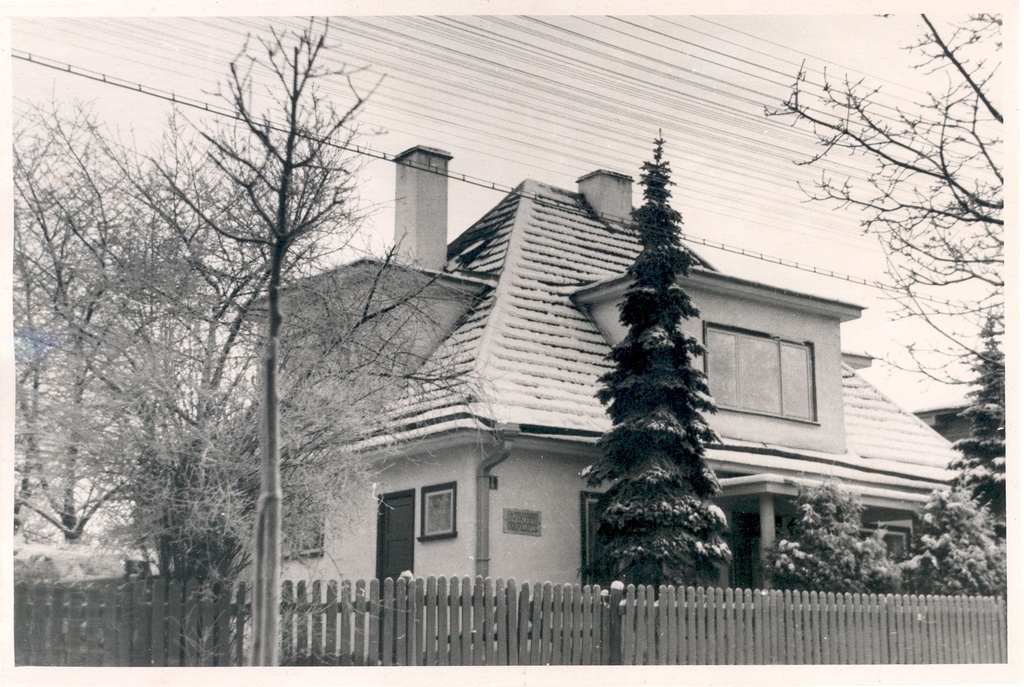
x=521, y=522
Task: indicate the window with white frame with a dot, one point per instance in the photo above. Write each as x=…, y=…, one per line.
x=758, y=373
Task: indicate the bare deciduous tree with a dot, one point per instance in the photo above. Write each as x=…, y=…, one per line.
x=934, y=196
x=288, y=181
x=69, y=230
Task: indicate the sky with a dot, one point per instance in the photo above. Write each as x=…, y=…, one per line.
x=551, y=98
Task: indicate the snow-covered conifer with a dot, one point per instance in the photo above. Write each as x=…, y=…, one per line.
x=657, y=524
x=955, y=550
x=982, y=467
x=825, y=550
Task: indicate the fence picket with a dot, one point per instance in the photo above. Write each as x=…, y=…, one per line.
x=500, y=624
x=330, y=656
x=587, y=644
x=486, y=635
x=973, y=631
x=172, y=622
x=158, y=627
x=757, y=656
x=302, y=653
x=1001, y=621
x=24, y=619
x=443, y=631
x=701, y=632
x=513, y=621
x=430, y=640
x=316, y=624
x=977, y=629
x=648, y=655
x=467, y=620
x=239, y=621
x=455, y=624
x=629, y=633
x=93, y=631
x=222, y=625
x=476, y=635
x=556, y=624
x=416, y=629
x=571, y=645
x=401, y=622
x=345, y=622
x=883, y=628
x=76, y=628
x=301, y=620
x=34, y=626
x=931, y=620
x=359, y=619
x=387, y=636
x=373, y=629
x=728, y=656
x=991, y=639
x=668, y=627
x=527, y=641
x=871, y=628
x=543, y=624
x=287, y=622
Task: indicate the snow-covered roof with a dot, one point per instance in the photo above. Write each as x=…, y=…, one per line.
x=534, y=358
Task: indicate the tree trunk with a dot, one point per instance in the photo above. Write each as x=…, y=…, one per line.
x=267, y=601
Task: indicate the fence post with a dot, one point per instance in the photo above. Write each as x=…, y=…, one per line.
x=24, y=610
x=614, y=633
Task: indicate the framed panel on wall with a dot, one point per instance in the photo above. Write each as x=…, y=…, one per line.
x=437, y=511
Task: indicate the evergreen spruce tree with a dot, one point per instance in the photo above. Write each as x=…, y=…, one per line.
x=982, y=468
x=657, y=524
x=825, y=550
x=955, y=549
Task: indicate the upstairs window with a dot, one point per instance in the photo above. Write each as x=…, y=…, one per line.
x=757, y=373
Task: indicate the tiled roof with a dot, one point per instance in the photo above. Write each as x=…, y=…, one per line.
x=877, y=428
x=534, y=358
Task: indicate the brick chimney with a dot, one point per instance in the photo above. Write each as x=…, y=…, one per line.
x=421, y=207
x=609, y=193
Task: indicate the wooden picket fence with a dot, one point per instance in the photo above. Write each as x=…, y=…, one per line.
x=484, y=622
x=716, y=626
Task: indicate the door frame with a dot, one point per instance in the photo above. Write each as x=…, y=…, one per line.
x=380, y=528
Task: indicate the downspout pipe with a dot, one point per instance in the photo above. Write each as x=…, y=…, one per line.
x=497, y=455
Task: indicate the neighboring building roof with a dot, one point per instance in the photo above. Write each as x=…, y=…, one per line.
x=947, y=420
x=536, y=358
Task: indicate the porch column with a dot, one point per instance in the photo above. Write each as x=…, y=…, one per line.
x=723, y=570
x=766, y=508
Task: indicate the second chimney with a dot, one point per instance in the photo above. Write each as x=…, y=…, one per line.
x=421, y=207
x=609, y=193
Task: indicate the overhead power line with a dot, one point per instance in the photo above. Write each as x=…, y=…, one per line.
x=220, y=111
x=726, y=151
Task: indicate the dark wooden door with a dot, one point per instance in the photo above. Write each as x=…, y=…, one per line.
x=396, y=520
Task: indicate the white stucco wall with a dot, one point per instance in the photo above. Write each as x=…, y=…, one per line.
x=549, y=482
x=350, y=546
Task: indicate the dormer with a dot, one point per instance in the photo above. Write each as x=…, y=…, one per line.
x=774, y=360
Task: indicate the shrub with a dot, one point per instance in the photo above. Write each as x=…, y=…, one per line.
x=955, y=549
x=826, y=551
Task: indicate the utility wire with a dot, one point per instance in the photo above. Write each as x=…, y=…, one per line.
x=754, y=173
x=476, y=181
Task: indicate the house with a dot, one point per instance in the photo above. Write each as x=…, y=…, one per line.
x=486, y=479
x=947, y=420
